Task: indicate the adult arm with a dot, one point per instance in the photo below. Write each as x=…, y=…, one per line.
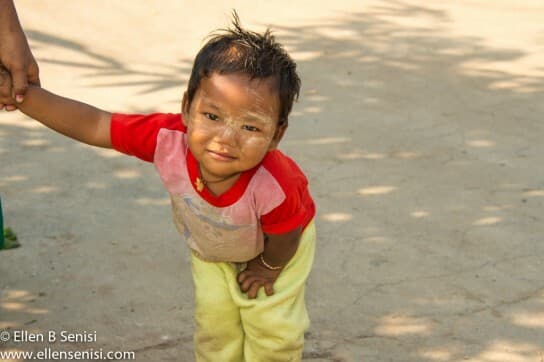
x=15, y=54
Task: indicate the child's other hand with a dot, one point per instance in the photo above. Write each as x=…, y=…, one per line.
x=256, y=276
x=5, y=89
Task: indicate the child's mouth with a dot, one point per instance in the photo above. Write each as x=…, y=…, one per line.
x=221, y=156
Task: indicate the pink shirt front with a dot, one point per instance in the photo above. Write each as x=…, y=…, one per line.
x=271, y=198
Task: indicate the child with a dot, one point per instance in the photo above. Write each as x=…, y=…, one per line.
x=242, y=205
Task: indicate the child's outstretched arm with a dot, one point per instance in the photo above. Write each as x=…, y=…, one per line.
x=74, y=119
x=71, y=118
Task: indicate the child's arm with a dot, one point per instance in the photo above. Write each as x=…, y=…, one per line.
x=71, y=118
x=265, y=268
x=74, y=119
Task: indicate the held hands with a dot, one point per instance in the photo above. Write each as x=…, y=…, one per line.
x=15, y=57
x=255, y=276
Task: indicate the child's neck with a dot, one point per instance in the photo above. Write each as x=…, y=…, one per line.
x=217, y=187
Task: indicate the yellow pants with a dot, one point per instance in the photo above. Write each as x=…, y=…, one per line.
x=232, y=328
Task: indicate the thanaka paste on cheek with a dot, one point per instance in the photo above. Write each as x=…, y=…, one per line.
x=233, y=129
x=229, y=125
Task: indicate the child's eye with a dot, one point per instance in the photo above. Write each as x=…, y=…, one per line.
x=211, y=116
x=250, y=128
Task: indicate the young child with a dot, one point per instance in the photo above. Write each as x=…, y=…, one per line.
x=242, y=205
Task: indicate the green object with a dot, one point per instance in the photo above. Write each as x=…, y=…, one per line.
x=8, y=239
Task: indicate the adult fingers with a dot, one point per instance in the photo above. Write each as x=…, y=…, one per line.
x=20, y=83
x=5, y=88
x=5, y=85
x=34, y=73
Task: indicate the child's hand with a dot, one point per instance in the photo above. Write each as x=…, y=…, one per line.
x=256, y=276
x=5, y=90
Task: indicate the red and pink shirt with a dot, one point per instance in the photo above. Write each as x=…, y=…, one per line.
x=271, y=198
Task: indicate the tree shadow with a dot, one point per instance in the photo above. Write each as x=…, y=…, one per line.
x=101, y=66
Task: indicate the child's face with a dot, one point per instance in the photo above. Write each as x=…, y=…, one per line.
x=232, y=123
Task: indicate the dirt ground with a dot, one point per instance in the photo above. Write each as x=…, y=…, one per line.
x=419, y=126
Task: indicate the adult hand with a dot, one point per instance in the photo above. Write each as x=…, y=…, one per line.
x=256, y=276
x=15, y=54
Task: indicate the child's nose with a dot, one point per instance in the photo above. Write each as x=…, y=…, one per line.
x=228, y=134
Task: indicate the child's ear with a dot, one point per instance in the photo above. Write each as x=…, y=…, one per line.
x=184, y=109
x=280, y=131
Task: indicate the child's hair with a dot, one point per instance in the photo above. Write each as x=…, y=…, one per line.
x=236, y=50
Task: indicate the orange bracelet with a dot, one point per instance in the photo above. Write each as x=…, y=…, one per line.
x=268, y=266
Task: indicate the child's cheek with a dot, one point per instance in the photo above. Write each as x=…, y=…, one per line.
x=256, y=142
x=234, y=129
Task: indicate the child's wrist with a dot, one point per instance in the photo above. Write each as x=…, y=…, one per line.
x=267, y=265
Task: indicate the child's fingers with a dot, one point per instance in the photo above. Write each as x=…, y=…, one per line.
x=254, y=289
x=269, y=288
x=242, y=276
x=248, y=282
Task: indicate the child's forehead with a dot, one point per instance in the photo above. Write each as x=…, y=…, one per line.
x=253, y=96
x=242, y=81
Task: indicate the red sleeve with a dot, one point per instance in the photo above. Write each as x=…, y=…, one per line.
x=298, y=208
x=136, y=134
